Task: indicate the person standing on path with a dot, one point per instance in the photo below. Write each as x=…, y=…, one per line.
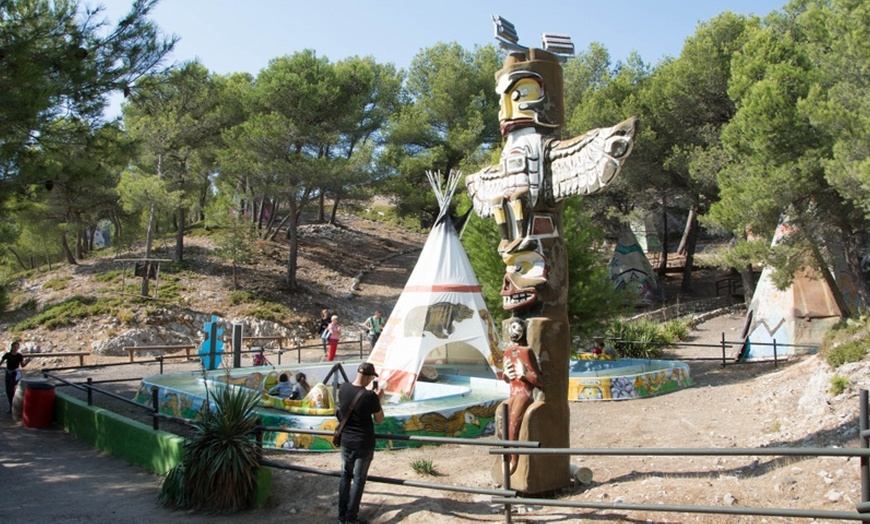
x=334, y=336
x=357, y=438
x=374, y=325
x=14, y=362
x=324, y=324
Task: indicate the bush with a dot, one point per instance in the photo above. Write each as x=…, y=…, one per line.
x=846, y=342
x=424, y=467
x=838, y=384
x=852, y=351
x=642, y=339
x=219, y=470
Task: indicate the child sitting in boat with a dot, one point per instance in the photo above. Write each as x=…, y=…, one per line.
x=301, y=387
x=284, y=388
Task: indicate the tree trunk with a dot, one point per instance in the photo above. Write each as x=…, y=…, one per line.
x=284, y=220
x=747, y=277
x=321, y=207
x=70, y=258
x=691, y=243
x=691, y=222
x=179, y=236
x=851, y=241
x=663, y=263
x=334, y=211
x=149, y=238
x=18, y=258
x=271, y=222
x=293, y=237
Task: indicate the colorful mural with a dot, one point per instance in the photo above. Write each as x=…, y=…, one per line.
x=454, y=406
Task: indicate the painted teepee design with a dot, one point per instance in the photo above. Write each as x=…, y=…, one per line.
x=440, y=317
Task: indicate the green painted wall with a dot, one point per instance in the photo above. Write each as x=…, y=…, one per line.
x=137, y=443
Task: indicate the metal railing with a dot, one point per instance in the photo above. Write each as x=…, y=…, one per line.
x=508, y=497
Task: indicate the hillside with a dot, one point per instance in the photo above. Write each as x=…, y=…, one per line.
x=97, y=306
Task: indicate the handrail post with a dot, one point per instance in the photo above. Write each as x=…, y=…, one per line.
x=90, y=392
x=774, y=353
x=298, y=351
x=864, y=423
x=506, y=459
x=723, y=349
x=160, y=359
x=155, y=405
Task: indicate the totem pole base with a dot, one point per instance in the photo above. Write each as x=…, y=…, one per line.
x=540, y=474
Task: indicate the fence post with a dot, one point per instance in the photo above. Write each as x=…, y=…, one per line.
x=155, y=405
x=506, y=459
x=723, y=349
x=160, y=359
x=90, y=392
x=774, y=353
x=360, y=346
x=864, y=425
x=298, y=351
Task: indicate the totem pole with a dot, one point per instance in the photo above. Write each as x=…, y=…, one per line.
x=525, y=193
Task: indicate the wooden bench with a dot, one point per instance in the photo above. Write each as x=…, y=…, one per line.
x=80, y=354
x=133, y=349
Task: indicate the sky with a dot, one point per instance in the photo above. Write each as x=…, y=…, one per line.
x=229, y=36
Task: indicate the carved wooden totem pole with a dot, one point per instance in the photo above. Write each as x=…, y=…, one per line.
x=525, y=193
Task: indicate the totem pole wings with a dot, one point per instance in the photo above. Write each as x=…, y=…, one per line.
x=579, y=166
x=586, y=164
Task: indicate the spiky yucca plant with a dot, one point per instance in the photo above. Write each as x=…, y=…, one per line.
x=218, y=472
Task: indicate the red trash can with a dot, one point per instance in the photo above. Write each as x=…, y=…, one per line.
x=38, y=409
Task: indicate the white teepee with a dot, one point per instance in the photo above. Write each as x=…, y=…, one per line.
x=440, y=317
x=798, y=315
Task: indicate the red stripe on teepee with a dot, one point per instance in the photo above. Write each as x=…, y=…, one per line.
x=441, y=288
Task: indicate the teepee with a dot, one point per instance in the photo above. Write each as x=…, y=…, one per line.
x=631, y=270
x=440, y=317
x=795, y=318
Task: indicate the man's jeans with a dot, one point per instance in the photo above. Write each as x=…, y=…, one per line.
x=354, y=465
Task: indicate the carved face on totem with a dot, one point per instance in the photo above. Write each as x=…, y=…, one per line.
x=530, y=92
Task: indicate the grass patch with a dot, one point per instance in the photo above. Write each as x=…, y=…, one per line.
x=424, y=467
x=56, y=283
x=263, y=306
x=387, y=215
x=68, y=312
x=839, y=384
x=113, y=275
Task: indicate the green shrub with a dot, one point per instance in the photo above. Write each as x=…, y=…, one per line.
x=676, y=330
x=838, y=384
x=424, y=467
x=635, y=339
x=846, y=342
x=67, y=312
x=219, y=470
x=851, y=351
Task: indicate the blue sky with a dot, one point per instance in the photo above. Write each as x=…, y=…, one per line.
x=230, y=36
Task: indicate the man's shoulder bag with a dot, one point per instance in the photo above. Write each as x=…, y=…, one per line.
x=336, y=437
